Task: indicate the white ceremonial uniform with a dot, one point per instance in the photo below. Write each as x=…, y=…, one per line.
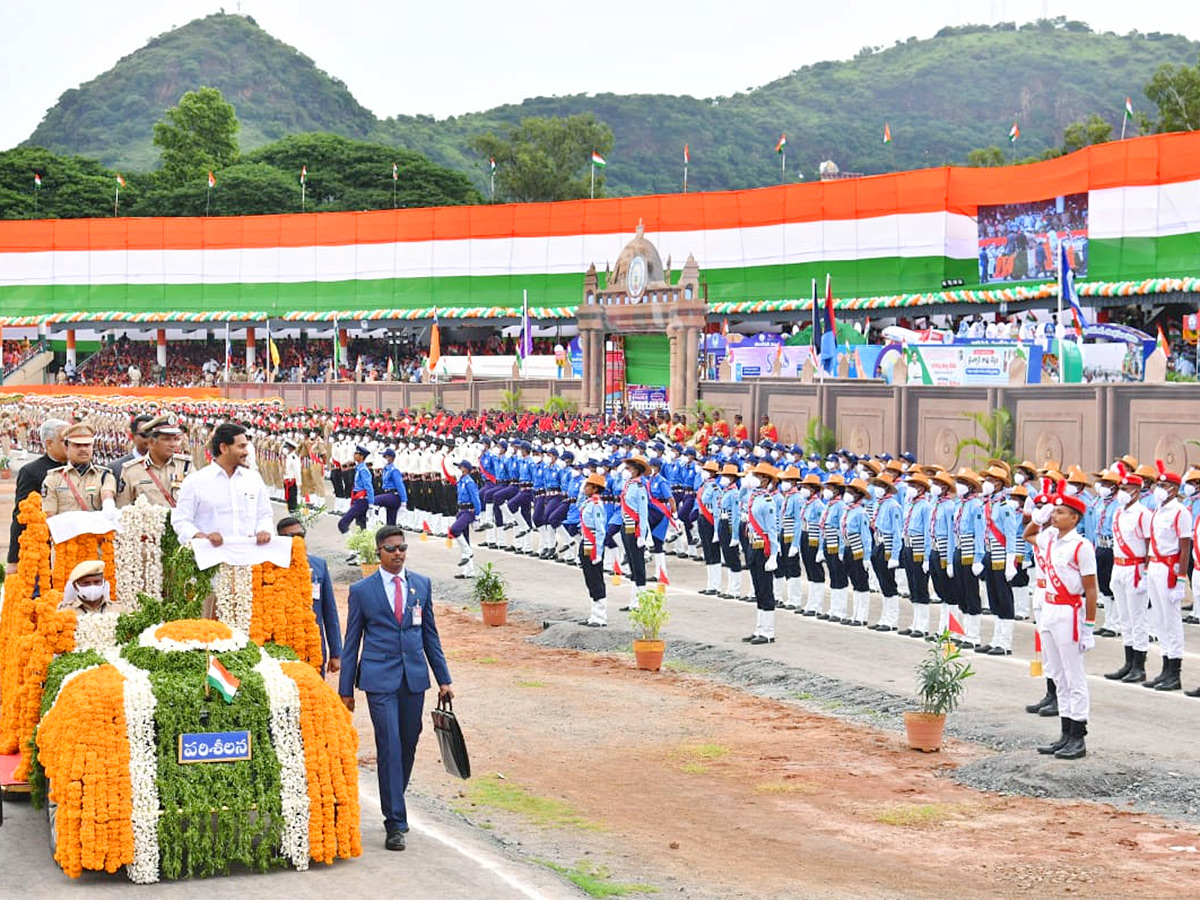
x=1168, y=524
x=1068, y=559
x=1131, y=527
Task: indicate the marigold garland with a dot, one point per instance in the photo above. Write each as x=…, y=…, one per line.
x=331, y=758
x=282, y=610
x=90, y=781
x=18, y=619
x=55, y=634
x=202, y=630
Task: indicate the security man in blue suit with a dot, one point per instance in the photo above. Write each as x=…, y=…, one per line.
x=390, y=623
x=323, y=600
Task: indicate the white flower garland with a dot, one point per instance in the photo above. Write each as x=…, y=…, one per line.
x=143, y=769
x=283, y=695
x=138, y=551
x=96, y=631
x=233, y=587
x=169, y=645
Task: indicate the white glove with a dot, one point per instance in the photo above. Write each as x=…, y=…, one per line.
x=820, y=556
x=772, y=563
x=1087, y=640
x=641, y=542
x=976, y=569
x=1010, y=571
x=925, y=567
x=893, y=563
x=403, y=507
x=949, y=570
x=1042, y=516
x=794, y=549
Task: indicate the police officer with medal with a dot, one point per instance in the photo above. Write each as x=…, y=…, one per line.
x=158, y=474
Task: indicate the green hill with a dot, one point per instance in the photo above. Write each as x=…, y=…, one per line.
x=942, y=97
x=276, y=90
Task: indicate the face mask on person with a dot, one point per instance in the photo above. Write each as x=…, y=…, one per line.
x=961, y=489
x=876, y=491
x=830, y=466
x=785, y=486
x=827, y=493
x=1071, y=490
x=723, y=481
x=1125, y=497
x=1019, y=478
x=936, y=490
x=90, y=593
x=844, y=466
x=805, y=493
x=705, y=475
x=1189, y=489
x=750, y=481
x=988, y=488
x=1011, y=502
x=1103, y=490
x=1160, y=494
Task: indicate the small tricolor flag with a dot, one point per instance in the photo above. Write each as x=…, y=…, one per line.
x=598, y=160
x=492, y=163
x=395, y=172
x=1014, y=133
x=887, y=133
x=303, y=174
x=220, y=678
x=1162, y=344
x=120, y=180
x=782, y=143
x=1129, y=107
x=37, y=180
x=212, y=180
x=687, y=157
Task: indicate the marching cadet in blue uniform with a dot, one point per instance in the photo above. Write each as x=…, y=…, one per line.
x=469, y=506
x=392, y=495
x=728, y=528
x=918, y=512
x=999, y=559
x=942, y=548
x=362, y=494
x=566, y=508
x=857, y=548
x=762, y=540
x=614, y=545
x=830, y=551
x=541, y=465
x=684, y=484
x=593, y=525
x=522, y=501
x=888, y=526
x=501, y=494
x=812, y=513
x=968, y=528
x=791, y=532
x=708, y=502
x=487, y=471
x=662, y=515
x=635, y=525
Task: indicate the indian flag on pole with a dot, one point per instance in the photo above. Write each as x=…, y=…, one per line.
x=687, y=156
x=1013, y=133
x=598, y=160
x=492, y=163
x=887, y=133
x=120, y=180
x=212, y=180
x=395, y=172
x=220, y=678
x=1163, y=345
x=303, y=174
x=782, y=143
x=1129, y=107
x=37, y=180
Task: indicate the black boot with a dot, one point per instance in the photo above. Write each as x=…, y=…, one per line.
x=1124, y=670
x=1171, y=682
x=1051, y=708
x=1137, y=672
x=1062, y=740
x=1074, y=748
x=1051, y=697
x=1166, y=668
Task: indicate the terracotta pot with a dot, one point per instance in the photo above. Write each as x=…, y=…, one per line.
x=925, y=730
x=6, y=474
x=649, y=654
x=494, y=613
x=369, y=569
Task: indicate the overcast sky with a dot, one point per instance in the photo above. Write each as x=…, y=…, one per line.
x=447, y=58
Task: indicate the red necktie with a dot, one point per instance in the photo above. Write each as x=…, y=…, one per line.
x=398, y=602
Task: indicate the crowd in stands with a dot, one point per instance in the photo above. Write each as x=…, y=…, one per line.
x=17, y=352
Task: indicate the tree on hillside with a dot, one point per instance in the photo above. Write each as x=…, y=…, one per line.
x=1093, y=130
x=345, y=174
x=197, y=136
x=547, y=158
x=986, y=157
x=72, y=187
x=244, y=189
x=1175, y=90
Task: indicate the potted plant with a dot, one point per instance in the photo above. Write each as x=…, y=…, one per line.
x=490, y=590
x=5, y=469
x=648, y=617
x=361, y=542
x=941, y=682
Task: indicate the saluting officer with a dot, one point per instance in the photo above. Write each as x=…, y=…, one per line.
x=157, y=475
x=80, y=484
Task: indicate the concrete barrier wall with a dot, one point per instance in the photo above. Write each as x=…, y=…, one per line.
x=458, y=395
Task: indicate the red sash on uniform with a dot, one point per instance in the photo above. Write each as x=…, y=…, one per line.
x=629, y=511
x=758, y=529
x=1168, y=561
x=1061, y=596
x=704, y=510
x=1130, y=558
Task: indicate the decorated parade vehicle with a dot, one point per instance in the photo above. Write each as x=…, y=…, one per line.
x=170, y=743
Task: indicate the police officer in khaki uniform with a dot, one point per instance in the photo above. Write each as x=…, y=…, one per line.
x=87, y=591
x=80, y=484
x=157, y=475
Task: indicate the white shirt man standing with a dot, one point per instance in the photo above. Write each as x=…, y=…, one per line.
x=225, y=499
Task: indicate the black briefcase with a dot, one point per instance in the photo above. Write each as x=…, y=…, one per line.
x=450, y=740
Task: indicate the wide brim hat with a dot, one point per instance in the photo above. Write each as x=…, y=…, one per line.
x=638, y=462
x=711, y=465
x=596, y=480
x=812, y=480
x=859, y=485
x=885, y=480
x=766, y=470
x=791, y=473
x=732, y=470
x=997, y=473
x=945, y=479
x=836, y=481
x=970, y=477
x=918, y=480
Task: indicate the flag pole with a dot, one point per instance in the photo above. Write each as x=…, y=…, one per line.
x=116, y=200
x=592, y=196
x=228, y=351
x=685, y=178
x=270, y=362
x=335, y=348
x=782, y=165
x=1124, y=120
x=207, y=206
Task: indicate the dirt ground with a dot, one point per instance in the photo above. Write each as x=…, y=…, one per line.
x=673, y=781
